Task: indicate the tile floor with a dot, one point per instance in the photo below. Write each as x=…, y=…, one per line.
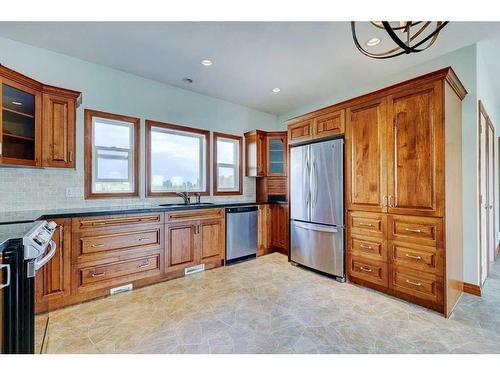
x=269, y=306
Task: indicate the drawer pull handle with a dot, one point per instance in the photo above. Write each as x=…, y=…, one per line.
x=413, y=230
x=413, y=283
x=417, y=257
x=365, y=269
x=98, y=274
x=98, y=245
x=365, y=246
x=143, y=238
x=144, y=264
x=365, y=225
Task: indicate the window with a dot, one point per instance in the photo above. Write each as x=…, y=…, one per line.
x=111, y=155
x=227, y=164
x=177, y=159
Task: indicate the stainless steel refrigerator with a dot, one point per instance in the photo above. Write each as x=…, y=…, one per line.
x=317, y=206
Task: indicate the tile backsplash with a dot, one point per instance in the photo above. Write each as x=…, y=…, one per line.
x=37, y=189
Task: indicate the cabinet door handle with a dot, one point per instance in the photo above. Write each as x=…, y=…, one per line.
x=417, y=257
x=98, y=274
x=365, y=225
x=365, y=269
x=384, y=201
x=390, y=201
x=413, y=230
x=71, y=156
x=365, y=246
x=98, y=245
x=145, y=264
x=413, y=283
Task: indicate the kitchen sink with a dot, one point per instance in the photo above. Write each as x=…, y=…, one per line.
x=185, y=205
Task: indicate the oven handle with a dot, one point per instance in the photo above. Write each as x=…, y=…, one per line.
x=40, y=263
x=7, y=283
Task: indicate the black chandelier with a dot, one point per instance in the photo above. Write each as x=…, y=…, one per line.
x=417, y=32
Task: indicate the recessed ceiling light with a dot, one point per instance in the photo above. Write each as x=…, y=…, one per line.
x=17, y=103
x=206, y=62
x=187, y=80
x=276, y=90
x=373, y=42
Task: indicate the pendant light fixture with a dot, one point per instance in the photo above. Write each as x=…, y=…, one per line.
x=409, y=37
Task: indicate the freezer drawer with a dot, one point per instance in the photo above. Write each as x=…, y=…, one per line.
x=320, y=247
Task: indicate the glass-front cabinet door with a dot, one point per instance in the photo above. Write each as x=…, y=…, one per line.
x=276, y=154
x=19, y=124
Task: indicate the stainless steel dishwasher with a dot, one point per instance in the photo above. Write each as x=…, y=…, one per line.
x=241, y=233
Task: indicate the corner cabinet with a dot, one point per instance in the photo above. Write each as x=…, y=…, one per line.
x=37, y=122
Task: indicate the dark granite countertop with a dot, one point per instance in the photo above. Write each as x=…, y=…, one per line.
x=31, y=216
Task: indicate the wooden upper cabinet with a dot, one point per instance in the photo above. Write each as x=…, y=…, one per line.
x=276, y=149
x=416, y=151
x=53, y=281
x=365, y=157
x=329, y=124
x=59, y=129
x=255, y=151
x=37, y=122
x=20, y=120
x=300, y=131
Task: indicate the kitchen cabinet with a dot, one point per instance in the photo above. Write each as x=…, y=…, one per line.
x=401, y=236
x=279, y=228
x=37, y=122
x=365, y=162
x=326, y=124
x=53, y=281
x=59, y=129
x=264, y=231
x=276, y=144
x=255, y=151
x=194, y=237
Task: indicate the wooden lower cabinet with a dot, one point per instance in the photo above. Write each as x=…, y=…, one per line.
x=399, y=255
x=279, y=228
x=53, y=281
x=264, y=230
x=194, y=238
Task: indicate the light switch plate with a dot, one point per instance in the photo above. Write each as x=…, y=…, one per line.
x=74, y=192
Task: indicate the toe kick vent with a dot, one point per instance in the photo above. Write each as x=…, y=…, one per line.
x=121, y=289
x=194, y=269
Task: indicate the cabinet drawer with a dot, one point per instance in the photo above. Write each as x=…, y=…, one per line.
x=118, y=241
x=113, y=221
x=421, y=230
x=300, y=131
x=368, y=270
x=367, y=223
x=368, y=247
x=418, y=284
x=417, y=257
x=276, y=186
x=194, y=215
x=106, y=272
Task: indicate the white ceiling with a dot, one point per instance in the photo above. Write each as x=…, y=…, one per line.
x=309, y=61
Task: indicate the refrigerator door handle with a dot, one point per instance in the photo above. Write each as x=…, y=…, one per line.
x=317, y=228
x=315, y=178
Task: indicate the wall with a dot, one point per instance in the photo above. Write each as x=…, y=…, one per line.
x=489, y=99
x=464, y=64
x=112, y=91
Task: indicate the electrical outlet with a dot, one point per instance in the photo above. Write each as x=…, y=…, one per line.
x=74, y=192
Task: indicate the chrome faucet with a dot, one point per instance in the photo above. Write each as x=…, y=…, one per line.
x=184, y=195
